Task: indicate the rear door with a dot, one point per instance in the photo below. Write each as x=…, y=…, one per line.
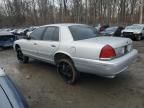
x=49, y=43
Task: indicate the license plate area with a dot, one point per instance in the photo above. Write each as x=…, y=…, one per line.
x=123, y=50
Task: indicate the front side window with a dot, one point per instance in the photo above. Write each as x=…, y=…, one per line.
x=80, y=32
x=51, y=34
x=37, y=34
x=112, y=29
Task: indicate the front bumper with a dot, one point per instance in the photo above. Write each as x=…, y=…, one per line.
x=6, y=44
x=131, y=35
x=106, y=68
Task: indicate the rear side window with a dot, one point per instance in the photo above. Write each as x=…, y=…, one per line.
x=37, y=34
x=55, y=36
x=80, y=32
x=51, y=34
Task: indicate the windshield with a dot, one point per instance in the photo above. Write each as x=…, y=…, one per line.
x=134, y=27
x=112, y=29
x=32, y=29
x=80, y=32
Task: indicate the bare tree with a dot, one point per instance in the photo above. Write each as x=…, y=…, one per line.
x=37, y=12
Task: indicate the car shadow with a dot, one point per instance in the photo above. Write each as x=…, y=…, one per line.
x=87, y=79
x=7, y=48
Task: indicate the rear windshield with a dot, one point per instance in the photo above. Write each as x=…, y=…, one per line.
x=81, y=32
x=111, y=29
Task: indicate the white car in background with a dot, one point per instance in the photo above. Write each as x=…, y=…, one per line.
x=135, y=32
x=76, y=48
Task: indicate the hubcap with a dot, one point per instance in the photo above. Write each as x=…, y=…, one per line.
x=66, y=71
x=20, y=55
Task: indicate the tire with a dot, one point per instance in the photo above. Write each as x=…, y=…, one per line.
x=66, y=69
x=21, y=58
x=139, y=37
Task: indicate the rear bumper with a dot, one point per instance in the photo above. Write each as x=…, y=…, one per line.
x=106, y=68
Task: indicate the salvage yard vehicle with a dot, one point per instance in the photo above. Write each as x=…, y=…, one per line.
x=76, y=48
x=10, y=97
x=135, y=32
x=6, y=39
x=103, y=27
x=112, y=31
x=31, y=29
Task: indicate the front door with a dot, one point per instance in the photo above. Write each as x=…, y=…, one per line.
x=31, y=46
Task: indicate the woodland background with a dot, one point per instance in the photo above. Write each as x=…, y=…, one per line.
x=93, y=12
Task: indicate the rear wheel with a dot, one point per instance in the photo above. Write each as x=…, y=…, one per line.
x=21, y=58
x=67, y=70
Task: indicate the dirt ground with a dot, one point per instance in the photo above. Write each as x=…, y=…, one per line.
x=43, y=87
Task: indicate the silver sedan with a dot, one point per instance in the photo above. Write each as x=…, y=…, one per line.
x=76, y=48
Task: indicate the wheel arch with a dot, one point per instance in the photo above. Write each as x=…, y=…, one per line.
x=60, y=55
x=16, y=46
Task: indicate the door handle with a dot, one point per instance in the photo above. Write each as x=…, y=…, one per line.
x=34, y=43
x=53, y=46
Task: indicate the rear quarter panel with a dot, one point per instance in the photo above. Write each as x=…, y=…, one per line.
x=87, y=50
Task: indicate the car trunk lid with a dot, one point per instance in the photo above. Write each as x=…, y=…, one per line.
x=121, y=45
x=115, y=42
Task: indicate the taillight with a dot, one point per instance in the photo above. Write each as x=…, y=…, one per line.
x=107, y=53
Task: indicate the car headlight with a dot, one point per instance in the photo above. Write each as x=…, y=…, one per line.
x=136, y=33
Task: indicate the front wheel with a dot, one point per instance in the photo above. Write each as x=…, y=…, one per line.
x=67, y=70
x=21, y=58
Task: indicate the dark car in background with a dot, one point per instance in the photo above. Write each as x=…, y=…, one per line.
x=102, y=28
x=6, y=39
x=112, y=31
x=10, y=97
x=14, y=31
x=22, y=31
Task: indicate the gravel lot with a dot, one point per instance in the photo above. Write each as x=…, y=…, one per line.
x=43, y=87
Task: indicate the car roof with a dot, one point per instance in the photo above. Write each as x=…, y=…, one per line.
x=61, y=24
x=137, y=25
x=4, y=33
